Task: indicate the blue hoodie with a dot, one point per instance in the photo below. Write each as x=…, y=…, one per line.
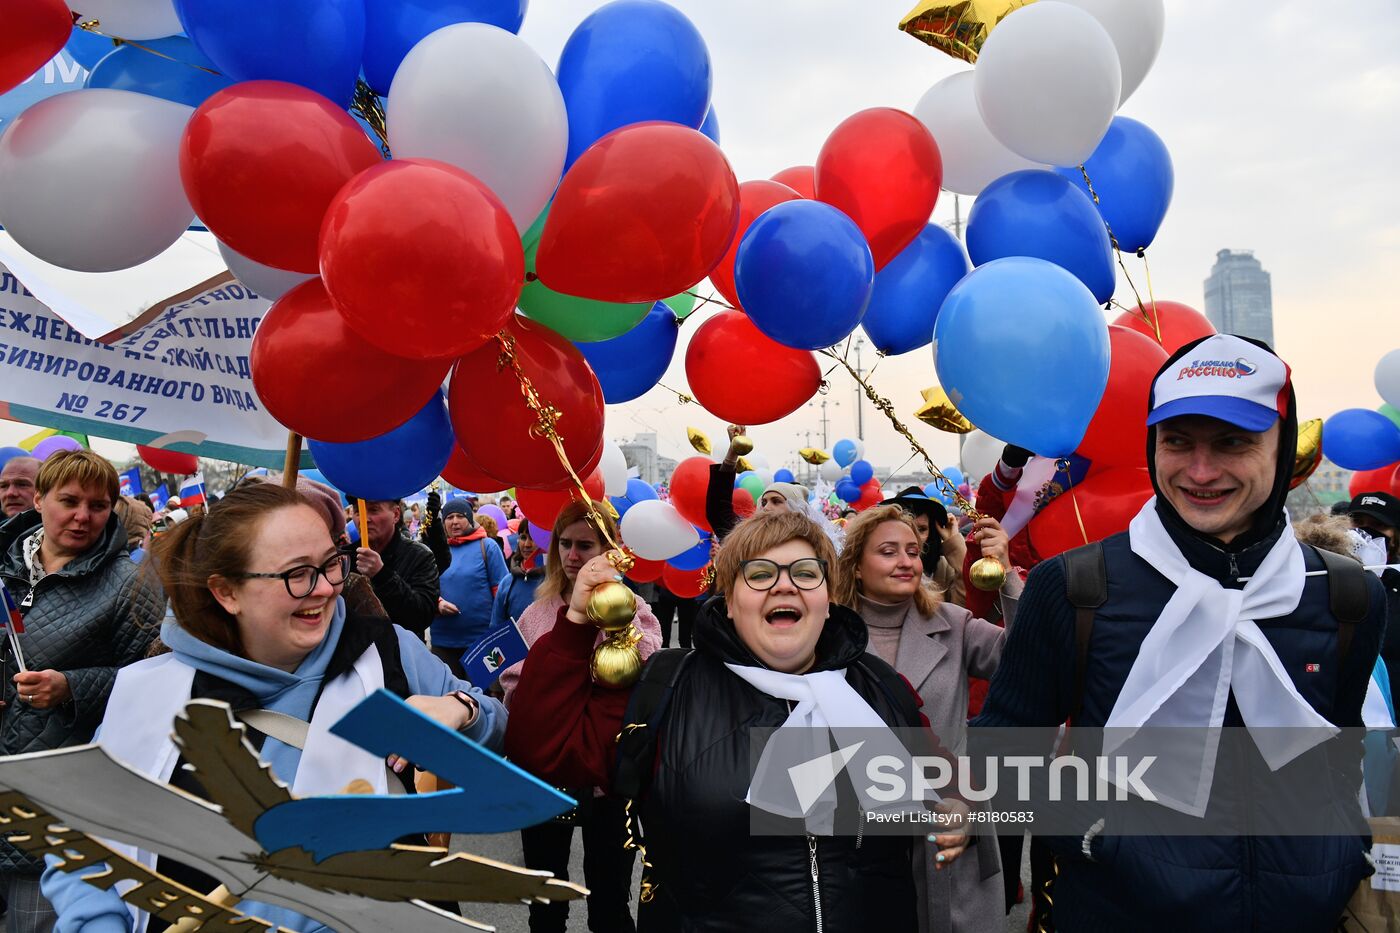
x=82, y=908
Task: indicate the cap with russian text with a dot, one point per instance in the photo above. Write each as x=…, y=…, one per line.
x=1225, y=377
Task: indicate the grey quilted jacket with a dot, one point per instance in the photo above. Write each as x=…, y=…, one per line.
x=88, y=619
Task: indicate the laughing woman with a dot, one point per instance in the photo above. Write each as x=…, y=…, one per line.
x=771, y=634
x=258, y=622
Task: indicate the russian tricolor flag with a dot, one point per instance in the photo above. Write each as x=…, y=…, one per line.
x=192, y=491
x=12, y=619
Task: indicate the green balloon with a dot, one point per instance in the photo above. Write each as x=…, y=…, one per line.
x=1391, y=412
x=754, y=485
x=682, y=304
x=579, y=319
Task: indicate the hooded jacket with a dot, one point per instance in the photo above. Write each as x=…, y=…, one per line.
x=90, y=618
x=516, y=590
x=1235, y=883
x=714, y=872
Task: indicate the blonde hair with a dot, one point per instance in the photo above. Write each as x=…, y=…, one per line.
x=555, y=582
x=489, y=524
x=758, y=535
x=87, y=469
x=859, y=530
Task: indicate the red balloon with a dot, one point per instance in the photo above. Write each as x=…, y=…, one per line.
x=262, y=160
x=304, y=356
x=743, y=503
x=542, y=506
x=755, y=197
x=871, y=494
x=1382, y=479
x=742, y=376
x=169, y=461
x=689, y=485
x=35, y=31
x=493, y=424
x=1107, y=502
x=1118, y=434
x=1180, y=324
x=645, y=213
x=421, y=258
x=800, y=178
x=646, y=571
x=464, y=474
x=687, y=584
x=883, y=169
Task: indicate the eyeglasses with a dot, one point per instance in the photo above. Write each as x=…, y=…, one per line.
x=301, y=580
x=762, y=574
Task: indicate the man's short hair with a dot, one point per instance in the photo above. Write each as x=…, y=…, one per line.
x=87, y=469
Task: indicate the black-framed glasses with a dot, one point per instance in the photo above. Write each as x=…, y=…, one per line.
x=302, y=579
x=762, y=574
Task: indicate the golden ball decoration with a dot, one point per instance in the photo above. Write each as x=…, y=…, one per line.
x=987, y=574
x=611, y=606
x=616, y=662
x=741, y=444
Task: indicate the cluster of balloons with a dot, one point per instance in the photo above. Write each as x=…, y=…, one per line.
x=852, y=476
x=1369, y=441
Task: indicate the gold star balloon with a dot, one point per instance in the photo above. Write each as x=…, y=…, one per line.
x=813, y=456
x=938, y=411
x=1309, y=453
x=958, y=28
x=698, y=440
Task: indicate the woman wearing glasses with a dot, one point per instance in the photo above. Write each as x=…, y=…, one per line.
x=257, y=621
x=772, y=652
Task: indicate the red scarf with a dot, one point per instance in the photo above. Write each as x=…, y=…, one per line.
x=463, y=539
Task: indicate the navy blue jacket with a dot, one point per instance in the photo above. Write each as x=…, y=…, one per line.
x=1215, y=883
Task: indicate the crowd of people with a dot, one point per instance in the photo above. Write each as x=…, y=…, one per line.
x=268, y=600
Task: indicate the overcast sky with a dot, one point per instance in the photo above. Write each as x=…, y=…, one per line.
x=1280, y=117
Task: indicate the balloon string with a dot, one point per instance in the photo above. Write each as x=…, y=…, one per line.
x=681, y=397
x=887, y=409
x=366, y=104
x=1063, y=466
x=1118, y=254
x=547, y=426
x=95, y=27
x=1156, y=320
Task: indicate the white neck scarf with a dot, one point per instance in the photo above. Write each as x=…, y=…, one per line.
x=1205, y=644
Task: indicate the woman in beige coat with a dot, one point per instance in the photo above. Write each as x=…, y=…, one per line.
x=935, y=645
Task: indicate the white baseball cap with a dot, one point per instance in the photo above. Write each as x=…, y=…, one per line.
x=1225, y=377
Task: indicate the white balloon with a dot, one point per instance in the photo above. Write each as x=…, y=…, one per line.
x=972, y=157
x=90, y=180
x=477, y=97
x=831, y=471
x=758, y=461
x=1388, y=378
x=765, y=477
x=614, y=467
x=268, y=282
x=130, y=19
x=1136, y=28
x=980, y=453
x=654, y=530
x=1047, y=83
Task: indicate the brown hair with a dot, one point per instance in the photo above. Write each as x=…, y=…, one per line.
x=555, y=583
x=1328, y=532
x=136, y=518
x=764, y=531
x=217, y=543
x=87, y=469
x=858, y=533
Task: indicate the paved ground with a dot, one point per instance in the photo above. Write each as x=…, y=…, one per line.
x=506, y=848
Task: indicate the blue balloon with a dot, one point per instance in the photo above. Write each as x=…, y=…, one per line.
x=845, y=453
x=314, y=43
x=848, y=491
x=909, y=291
x=631, y=61
x=185, y=80
x=696, y=557
x=88, y=48
x=862, y=472
x=392, y=27
x=1360, y=439
x=395, y=464
x=637, y=491
x=783, y=475
x=1132, y=175
x=9, y=453
x=1040, y=214
x=804, y=274
x=955, y=476
x=711, y=126
x=932, y=491
x=629, y=366
x=1021, y=347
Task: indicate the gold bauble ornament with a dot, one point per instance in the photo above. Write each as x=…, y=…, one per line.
x=699, y=441
x=958, y=27
x=987, y=574
x=611, y=606
x=616, y=662
x=813, y=456
x=938, y=411
x=1308, y=456
x=741, y=445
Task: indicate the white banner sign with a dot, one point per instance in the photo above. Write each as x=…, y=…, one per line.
x=176, y=377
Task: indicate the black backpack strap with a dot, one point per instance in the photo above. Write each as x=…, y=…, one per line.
x=636, y=745
x=1086, y=587
x=1347, y=598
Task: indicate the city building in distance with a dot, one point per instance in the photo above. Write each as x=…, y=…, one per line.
x=1239, y=297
